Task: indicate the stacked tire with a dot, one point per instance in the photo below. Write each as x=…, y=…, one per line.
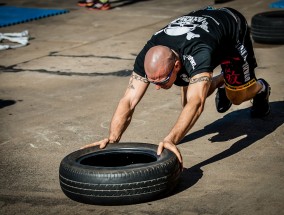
x=268, y=27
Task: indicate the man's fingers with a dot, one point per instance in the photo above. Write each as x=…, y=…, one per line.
x=160, y=148
x=102, y=144
x=178, y=154
x=89, y=145
x=175, y=150
x=170, y=147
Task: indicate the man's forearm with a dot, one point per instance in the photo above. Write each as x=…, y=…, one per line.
x=185, y=122
x=120, y=121
x=197, y=91
x=137, y=86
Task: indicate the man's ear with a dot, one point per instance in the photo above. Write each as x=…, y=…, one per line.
x=178, y=65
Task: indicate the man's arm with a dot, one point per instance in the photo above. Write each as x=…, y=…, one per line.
x=183, y=91
x=196, y=95
x=136, y=89
x=217, y=81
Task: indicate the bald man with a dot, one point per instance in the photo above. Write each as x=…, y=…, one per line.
x=185, y=53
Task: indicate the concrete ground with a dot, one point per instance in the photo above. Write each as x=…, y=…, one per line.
x=59, y=93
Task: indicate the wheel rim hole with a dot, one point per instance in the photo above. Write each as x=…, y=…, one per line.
x=116, y=159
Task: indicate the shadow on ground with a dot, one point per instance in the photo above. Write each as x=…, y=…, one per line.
x=233, y=125
x=5, y=103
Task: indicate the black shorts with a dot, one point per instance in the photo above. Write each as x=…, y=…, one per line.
x=238, y=67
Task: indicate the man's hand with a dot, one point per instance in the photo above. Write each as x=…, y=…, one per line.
x=170, y=146
x=103, y=143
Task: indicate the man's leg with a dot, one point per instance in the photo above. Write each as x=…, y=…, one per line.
x=240, y=80
x=259, y=92
x=240, y=96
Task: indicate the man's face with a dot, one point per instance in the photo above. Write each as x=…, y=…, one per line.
x=169, y=84
x=165, y=81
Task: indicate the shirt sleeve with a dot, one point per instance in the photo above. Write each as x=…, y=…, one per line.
x=200, y=60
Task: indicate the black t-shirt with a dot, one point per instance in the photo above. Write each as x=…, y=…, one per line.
x=201, y=38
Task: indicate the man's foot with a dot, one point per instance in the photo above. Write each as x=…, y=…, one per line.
x=260, y=105
x=221, y=101
x=85, y=3
x=97, y=5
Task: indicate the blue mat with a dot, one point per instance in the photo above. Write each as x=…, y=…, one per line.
x=10, y=15
x=278, y=4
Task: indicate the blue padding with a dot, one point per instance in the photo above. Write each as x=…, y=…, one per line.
x=10, y=15
x=278, y=4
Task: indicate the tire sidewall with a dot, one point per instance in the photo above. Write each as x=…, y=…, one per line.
x=69, y=164
x=163, y=173
x=268, y=27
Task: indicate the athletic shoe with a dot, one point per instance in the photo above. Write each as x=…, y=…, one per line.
x=84, y=3
x=260, y=105
x=221, y=101
x=97, y=5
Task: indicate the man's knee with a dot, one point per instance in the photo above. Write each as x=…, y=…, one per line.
x=236, y=97
x=236, y=101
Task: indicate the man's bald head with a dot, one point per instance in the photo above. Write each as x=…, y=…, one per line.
x=158, y=61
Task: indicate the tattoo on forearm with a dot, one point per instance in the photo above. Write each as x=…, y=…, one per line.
x=202, y=78
x=136, y=77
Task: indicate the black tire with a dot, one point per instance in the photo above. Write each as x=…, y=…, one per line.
x=268, y=27
x=123, y=173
